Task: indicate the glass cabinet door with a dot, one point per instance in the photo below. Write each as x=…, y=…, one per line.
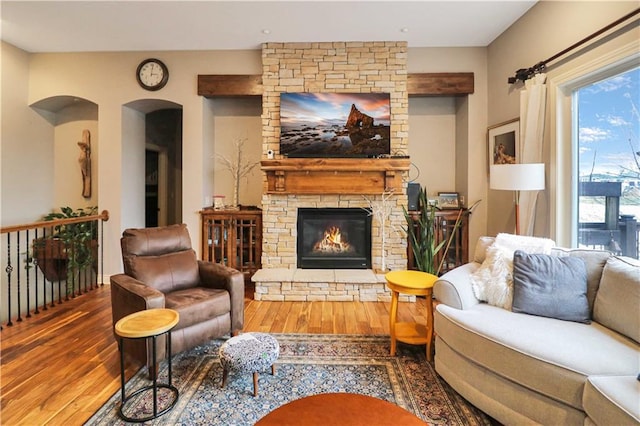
x=233, y=238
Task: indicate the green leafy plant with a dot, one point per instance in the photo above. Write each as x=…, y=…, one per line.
x=421, y=231
x=69, y=248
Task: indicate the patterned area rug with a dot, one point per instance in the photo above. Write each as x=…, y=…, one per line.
x=309, y=364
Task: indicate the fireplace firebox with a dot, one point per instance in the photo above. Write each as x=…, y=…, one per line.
x=334, y=238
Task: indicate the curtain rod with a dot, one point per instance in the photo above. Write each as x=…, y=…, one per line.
x=524, y=74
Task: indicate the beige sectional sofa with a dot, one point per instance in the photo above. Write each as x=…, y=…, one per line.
x=528, y=369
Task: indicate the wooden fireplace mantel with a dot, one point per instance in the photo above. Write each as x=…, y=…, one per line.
x=334, y=175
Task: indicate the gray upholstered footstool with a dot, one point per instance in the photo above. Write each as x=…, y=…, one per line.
x=249, y=353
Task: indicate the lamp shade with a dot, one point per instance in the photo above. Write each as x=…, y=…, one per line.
x=517, y=177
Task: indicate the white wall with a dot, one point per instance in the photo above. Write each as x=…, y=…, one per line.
x=208, y=151
x=237, y=119
x=133, y=175
x=432, y=143
x=26, y=146
x=67, y=174
x=464, y=155
x=470, y=165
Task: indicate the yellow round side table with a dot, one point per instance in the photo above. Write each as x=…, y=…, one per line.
x=415, y=283
x=149, y=323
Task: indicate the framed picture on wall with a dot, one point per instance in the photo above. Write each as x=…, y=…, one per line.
x=448, y=200
x=503, y=141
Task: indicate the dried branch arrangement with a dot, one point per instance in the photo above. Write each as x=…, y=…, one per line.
x=381, y=210
x=237, y=166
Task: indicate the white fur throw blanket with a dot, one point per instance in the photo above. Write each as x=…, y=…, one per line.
x=493, y=281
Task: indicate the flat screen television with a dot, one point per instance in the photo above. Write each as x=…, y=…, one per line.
x=335, y=124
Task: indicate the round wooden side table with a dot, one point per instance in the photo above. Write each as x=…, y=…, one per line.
x=149, y=323
x=415, y=283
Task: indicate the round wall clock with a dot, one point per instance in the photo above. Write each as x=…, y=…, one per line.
x=152, y=74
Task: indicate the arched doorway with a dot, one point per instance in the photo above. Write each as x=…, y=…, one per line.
x=157, y=140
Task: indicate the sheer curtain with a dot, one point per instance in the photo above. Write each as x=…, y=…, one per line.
x=532, y=111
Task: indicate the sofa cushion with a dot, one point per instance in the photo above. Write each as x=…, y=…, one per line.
x=545, y=355
x=550, y=286
x=482, y=245
x=493, y=281
x=168, y=272
x=594, y=261
x=525, y=243
x=612, y=400
x=618, y=297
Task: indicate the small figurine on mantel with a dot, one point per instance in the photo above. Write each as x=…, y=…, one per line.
x=85, y=162
x=238, y=167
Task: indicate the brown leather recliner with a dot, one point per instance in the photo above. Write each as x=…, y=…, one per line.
x=161, y=271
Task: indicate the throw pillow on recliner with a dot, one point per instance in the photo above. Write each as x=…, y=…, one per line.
x=550, y=286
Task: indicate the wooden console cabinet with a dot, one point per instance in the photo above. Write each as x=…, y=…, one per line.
x=458, y=253
x=233, y=238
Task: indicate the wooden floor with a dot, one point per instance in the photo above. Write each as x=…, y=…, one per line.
x=58, y=367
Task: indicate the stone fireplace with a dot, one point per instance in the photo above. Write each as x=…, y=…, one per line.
x=291, y=185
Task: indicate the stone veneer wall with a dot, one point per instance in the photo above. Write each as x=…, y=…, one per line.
x=348, y=67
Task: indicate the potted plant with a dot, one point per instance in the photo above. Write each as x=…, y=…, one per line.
x=423, y=240
x=69, y=248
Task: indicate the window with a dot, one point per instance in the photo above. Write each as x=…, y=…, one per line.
x=607, y=167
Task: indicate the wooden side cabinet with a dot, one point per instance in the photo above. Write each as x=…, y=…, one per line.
x=233, y=238
x=458, y=253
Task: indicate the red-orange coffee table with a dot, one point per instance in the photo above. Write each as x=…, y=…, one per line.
x=345, y=409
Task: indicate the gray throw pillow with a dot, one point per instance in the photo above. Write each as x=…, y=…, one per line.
x=550, y=286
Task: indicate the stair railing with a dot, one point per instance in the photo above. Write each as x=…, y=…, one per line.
x=38, y=272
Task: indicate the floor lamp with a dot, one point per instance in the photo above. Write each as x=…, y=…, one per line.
x=517, y=177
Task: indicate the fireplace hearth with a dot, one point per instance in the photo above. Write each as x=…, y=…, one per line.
x=334, y=238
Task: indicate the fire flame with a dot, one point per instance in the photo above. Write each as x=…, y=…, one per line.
x=331, y=242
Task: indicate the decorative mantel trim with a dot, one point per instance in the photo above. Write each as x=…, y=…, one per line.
x=334, y=175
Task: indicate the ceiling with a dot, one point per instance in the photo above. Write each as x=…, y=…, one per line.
x=153, y=25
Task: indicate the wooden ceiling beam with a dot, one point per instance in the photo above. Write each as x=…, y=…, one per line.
x=421, y=84
x=440, y=84
x=229, y=85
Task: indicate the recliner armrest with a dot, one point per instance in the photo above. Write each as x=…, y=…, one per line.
x=129, y=295
x=216, y=275
x=454, y=287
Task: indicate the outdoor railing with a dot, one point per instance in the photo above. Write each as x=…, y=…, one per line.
x=49, y=262
x=621, y=238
